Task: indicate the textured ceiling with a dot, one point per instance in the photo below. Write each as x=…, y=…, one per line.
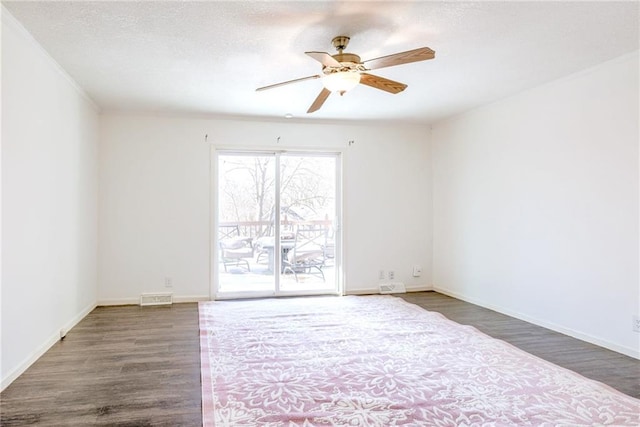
x=209, y=57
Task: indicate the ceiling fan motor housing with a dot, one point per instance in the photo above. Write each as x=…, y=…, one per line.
x=347, y=57
x=348, y=62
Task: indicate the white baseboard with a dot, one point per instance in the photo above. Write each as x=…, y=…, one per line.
x=136, y=300
x=191, y=298
x=44, y=347
x=118, y=301
x=419, y=288
x=376, y=290
x=631, y=352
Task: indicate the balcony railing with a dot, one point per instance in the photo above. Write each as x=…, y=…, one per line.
x=257, y=229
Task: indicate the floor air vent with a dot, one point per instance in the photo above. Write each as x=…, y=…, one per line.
x=156, y=299
x=392, y=288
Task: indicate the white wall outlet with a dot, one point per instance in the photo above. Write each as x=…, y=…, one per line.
x=381, y=275
x=636, y=323
x=168, y=282
x=417, y=271
x=392, y=274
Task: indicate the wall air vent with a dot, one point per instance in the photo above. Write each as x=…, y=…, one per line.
x=392, y=288
x=165, y=298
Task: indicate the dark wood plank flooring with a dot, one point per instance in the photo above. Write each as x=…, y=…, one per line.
x=614, y=369
x=124, y=366
x=133, y=366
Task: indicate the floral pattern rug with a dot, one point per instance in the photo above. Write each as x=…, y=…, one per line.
x=380, y=361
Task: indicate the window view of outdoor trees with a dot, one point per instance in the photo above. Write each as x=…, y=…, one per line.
x=247, y=192
x=247, y=220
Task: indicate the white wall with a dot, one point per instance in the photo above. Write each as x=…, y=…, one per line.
x=155, y=192
x=536, y=205
x=49, y=201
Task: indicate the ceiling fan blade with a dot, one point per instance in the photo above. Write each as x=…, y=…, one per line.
x=415, y=55
x=324, y=58
x=382, y=83
x=324, y=94
x=287, y=82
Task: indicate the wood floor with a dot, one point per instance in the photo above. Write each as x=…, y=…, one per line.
x=617, y=370
x=124, y=366
x=133, y=366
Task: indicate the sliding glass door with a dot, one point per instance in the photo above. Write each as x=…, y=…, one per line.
x=277, y=224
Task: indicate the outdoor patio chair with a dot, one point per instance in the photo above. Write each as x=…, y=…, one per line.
x=235, y=250
x=308, y=253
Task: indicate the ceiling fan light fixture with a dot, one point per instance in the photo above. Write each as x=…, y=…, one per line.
x=341, y=82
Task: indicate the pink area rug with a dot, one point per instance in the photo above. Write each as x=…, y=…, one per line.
x=380, y=361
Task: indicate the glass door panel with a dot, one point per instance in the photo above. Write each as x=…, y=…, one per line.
x=246, y=223
x=308, y=195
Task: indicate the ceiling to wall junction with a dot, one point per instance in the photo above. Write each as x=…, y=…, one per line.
x=208, y=58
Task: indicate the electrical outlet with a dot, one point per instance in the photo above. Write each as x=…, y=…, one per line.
x=381, y=275
x=392, y=274
x=636, y=323
x=168, y=282
x=417, y=271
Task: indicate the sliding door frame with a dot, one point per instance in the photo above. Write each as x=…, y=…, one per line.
x=214, y=265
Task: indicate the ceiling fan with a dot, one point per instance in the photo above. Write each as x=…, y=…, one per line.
x=344, y=71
